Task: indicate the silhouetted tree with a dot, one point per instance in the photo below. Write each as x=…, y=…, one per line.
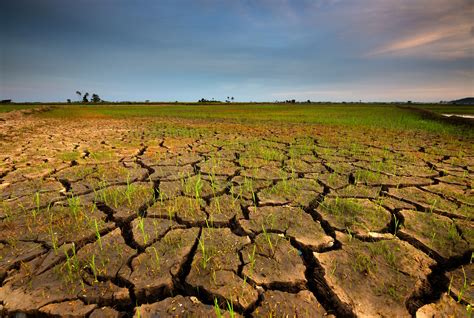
x=232, y=98
x=69, y=101
x=79, y=94
x=95, y=98
x=84, y=98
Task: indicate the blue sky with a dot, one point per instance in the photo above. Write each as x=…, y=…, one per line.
x=261, y=50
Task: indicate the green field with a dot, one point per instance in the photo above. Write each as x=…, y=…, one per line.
x=382, y=116
x=450, y=109
x=12, y=107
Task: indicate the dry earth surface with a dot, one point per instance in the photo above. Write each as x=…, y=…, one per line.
x=126, y=217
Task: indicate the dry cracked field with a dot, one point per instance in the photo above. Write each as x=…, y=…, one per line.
x=147, y=217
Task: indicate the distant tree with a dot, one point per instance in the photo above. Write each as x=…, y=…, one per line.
x=69, y=101
x=232, y=98
x=79, y=94
x=203, y=100
x=95, y=98
x=84, y=98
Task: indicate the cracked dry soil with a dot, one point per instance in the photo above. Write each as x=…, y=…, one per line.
x=123, y=218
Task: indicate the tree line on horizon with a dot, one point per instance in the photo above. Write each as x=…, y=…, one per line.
x=95, y=98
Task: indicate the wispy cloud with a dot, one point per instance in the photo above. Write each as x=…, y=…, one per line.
x=440, y=29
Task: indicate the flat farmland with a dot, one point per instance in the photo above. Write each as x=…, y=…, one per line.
x=237, y=210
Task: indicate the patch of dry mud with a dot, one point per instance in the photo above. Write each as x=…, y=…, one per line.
x=125, y=218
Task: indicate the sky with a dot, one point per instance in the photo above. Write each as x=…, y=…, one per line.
x=253, y=50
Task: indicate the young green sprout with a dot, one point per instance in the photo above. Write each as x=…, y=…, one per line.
x=36, y=210
x=129, y=192
x=156, y=257
x=54, y=240
x=141, y=226
x=396, y=225
x=97, y=234
x=204, y=251
x=268, y=238
x=74, y=205
x=252, y=259
x=72, y=263
x=198, y=187
x=217, y=309
x=93, y=268
x=230, y=308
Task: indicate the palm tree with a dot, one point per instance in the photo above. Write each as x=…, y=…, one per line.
x=79, y=94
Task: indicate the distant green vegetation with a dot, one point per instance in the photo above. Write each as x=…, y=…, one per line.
x=450, y=109
x=384, y=116
x=10, y=107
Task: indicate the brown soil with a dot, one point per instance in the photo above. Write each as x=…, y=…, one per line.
x=121, y=218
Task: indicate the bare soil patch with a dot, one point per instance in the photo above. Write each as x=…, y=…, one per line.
x=144, y=218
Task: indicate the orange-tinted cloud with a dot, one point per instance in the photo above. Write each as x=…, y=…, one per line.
x=438, y=29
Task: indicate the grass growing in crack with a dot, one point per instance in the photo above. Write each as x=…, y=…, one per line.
x=172, y=209
x=217, y=309
x=72, y=264
x=74, y=204
x=141, y=227
x=36, y=210
x=396, y=225
x=252, y=259
x=130, y=190
x=192, y=185
x=93, y=268
x=161, y=196
x=213, y=180
x=54, y=239
x=453, y=234
x=198, y=187
x=465, y=285
x=156, y=257
x=230, y=308
x=97, y=234
x=206, y=257
x=349, y=232
x=268, y=239
x=248, y=186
